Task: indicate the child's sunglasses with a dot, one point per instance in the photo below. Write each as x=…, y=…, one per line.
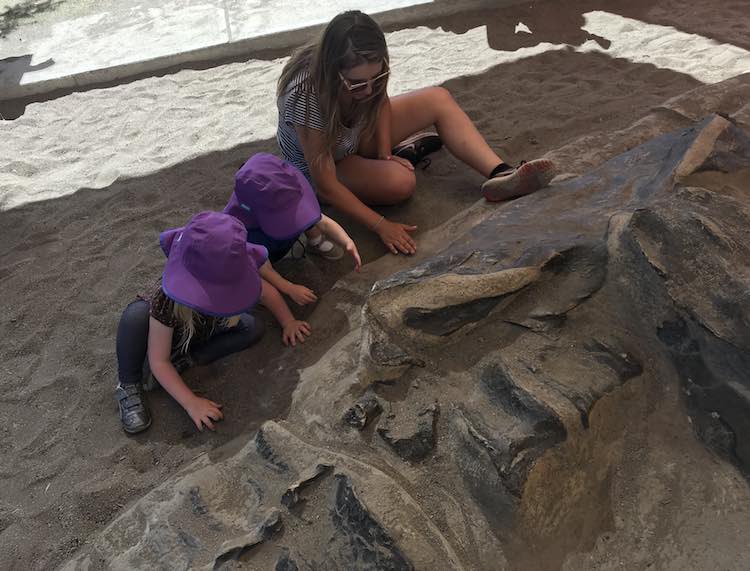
x=362, y=85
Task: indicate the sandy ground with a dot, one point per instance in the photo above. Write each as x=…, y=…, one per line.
x=93, y=177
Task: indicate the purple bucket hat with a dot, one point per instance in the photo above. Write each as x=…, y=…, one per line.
x=274, y=195
x=210, y=265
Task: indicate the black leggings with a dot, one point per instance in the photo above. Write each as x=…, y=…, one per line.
x=132, y=341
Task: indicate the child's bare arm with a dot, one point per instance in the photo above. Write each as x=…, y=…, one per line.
x=293, y=330
x=323, y=170
x=202, y=411
x=335, y=232
x=299, y=293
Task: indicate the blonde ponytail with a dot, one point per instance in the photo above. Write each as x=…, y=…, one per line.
x=190, y=320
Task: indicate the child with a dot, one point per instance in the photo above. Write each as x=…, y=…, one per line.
x=199, y=313
x=338, y=126
x=277, y=204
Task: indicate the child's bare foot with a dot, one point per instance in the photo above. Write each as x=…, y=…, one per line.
x=528, y=177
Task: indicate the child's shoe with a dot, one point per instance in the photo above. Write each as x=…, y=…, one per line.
x=324, y=248
x=133, y=412
x=526, y=178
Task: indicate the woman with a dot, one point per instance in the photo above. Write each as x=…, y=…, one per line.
x=338, y=126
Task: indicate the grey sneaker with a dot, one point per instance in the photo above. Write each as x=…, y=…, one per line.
x=325, y=249
x=528, y=177
x=133, y=412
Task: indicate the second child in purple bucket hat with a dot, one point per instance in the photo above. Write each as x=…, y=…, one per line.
x=198, y=313
x=277, y=204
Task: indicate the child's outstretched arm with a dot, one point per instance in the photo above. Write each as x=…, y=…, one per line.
x=395, y=236
x=299, y=293
x=202, y=411
x=335, y=232
x=293, y=330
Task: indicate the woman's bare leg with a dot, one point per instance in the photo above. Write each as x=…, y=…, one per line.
x=376, y=182
x=417, y=110
x=379, y=182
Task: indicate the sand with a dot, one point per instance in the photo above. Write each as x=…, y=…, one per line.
x=88, y=180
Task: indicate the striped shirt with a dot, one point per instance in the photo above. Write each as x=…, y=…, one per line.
x=298, y=106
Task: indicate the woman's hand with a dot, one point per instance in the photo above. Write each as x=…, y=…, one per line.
x=400, y=160
x=203, y=412
x=293, y=331
x=301, y=294
x=396, y=237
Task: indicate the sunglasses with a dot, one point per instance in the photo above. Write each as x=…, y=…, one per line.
x=362, y=85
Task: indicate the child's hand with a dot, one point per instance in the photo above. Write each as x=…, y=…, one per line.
x=351, y=249
x=295, y=330
x=301, y=295
x=203, y=411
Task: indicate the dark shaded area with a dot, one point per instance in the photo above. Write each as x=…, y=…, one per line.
x=475, y=456
x=622, y=363
x=539, y=428
x=266, y=451
x=285, y=562
x=716, y=379
x=12, y=70
x=446, y=320
x=516, y=402
x=360, y=542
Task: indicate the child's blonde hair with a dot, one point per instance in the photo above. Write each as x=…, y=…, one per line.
x=350, y=39
x=189, y=320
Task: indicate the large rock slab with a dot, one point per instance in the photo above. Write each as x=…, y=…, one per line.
x=510, y=371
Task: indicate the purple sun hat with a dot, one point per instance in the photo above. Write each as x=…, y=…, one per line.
x=272, y=194
x=210, y=265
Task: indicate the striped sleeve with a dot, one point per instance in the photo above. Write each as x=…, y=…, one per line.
x=303, y=108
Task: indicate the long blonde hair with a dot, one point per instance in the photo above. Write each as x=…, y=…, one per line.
x=352, y=38
x=189, y=320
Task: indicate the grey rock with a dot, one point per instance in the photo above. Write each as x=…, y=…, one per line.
x=363, y=411
x=292, y=495
x=233, y=549
x=410, y=430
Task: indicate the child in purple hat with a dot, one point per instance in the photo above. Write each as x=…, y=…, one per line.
x=277, y=204
x=199, y=313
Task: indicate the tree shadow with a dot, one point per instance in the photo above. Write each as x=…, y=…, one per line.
x=14, y=15
x=550, y=21
x=559, y=22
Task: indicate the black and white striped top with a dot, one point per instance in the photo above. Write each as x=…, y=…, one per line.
x=293, y=110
